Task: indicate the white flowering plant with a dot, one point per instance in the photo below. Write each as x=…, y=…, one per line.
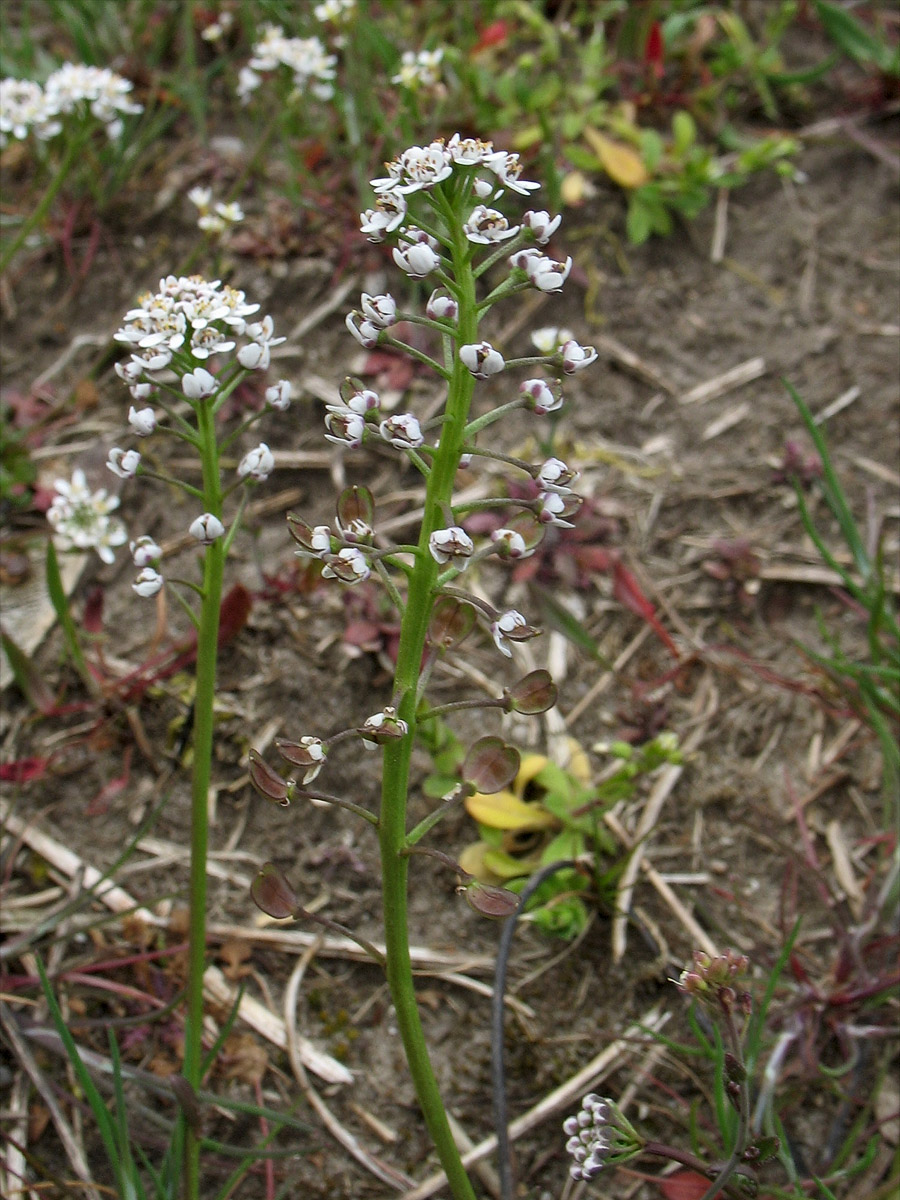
x=436, y=208
x=59, y=121
x=190, y=345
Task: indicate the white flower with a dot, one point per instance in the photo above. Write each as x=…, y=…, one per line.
x=547, y=274
x=441, y=307
x=522, y=258
x=508, y=170
x=198, y=383
x=248, y=82
x=481, y=359
x=468, y=152
x=345, y=428
x=381, y=727
x=486, y=226
x=360, y=400
x=254, y=356
x=380, y=310
x=144, y=551
x=25, y=109
x=420, y=70
x=142, y=421
x=231, y=212
x=510, y=544
x=417, y=260
x=278, y=396
x=549, y=339
x=349, y=565
x=541, y=225
x=452, y=542
x=123, y=463
x=505, y=626
x=365, y=332
x=207, y=529
x=257, y=463
x=555, y=508
x=576, y=358
x=417, y=168
x=148, y=582
x=485, y=190
x=388, y=214
x=542, y=396
x=401, y=430
x=81, y=518
x=201, y=198
x=337, y=11
x=555, y=476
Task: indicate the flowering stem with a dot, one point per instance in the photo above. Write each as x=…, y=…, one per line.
x=392, y=822
x=204, y=696
x=73, y=148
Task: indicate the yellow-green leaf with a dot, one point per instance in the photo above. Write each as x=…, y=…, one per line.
x=622, y=163
x=503, y=810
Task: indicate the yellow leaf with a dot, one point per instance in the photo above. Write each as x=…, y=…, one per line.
x=503, y=810
x=621, y=163
x=574, y=188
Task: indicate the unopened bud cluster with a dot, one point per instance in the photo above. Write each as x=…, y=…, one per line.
x=598, y=1134
x=714, y=979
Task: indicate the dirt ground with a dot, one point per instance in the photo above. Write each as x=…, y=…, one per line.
x=683, y=486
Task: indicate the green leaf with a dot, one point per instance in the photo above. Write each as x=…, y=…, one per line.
x=853, y=39
x=684, y=131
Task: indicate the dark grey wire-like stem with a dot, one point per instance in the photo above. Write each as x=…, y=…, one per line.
x=498, y=1069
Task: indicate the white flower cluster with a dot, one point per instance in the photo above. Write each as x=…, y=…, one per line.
x=312, y=67
x=81, y=518
x=337, y=12
x=422, y=70
x=597, y=1134
x=214, y=220
x=357, y=412
x=191, y=316
x=26, y=107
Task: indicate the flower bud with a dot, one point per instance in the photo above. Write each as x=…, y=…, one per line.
x=272, y=893
x=345, y=428
x=142, y=421
x=257, y=463
x=207, y=529
x=255, y=356
x=198, y=384
x=481, y=359
x=491, y=765
x=541, y=225
x=512, y=625
x=441, y=307
x=357, y=397
x=509, y=544
x=278, y=396
x=542, y=397
x=144, y=551
x=148, y=583
x=366, y=332
x=123, y=463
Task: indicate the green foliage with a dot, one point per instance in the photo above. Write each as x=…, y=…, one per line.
x=871, y=687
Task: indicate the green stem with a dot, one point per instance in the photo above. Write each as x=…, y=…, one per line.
x=73, y=148
x=392, y=822
x=204, y=697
